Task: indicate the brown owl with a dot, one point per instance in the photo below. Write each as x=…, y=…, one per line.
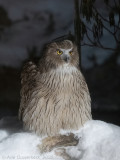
x=54, y=93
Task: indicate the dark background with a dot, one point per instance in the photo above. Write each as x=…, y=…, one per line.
x=24, y=29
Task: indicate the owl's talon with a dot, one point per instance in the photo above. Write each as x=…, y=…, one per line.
x=49, y=143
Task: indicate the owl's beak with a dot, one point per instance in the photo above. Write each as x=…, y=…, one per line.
x=66, y=58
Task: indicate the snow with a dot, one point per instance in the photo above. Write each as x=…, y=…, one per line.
x=18, y=144
x=98, y=140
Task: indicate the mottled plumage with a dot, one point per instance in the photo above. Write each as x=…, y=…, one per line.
x=54, y=94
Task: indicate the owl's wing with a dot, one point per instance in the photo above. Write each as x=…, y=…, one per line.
x=28, y=82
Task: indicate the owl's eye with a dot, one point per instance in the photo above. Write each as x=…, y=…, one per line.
x=59, y=52
x=71, y=52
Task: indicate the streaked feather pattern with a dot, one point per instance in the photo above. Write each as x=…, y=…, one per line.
x=54, y=96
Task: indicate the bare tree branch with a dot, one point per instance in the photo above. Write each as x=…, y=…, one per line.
x=112, y=33
x=89, y=28
x=104, y=18
x=94, y=33
x=97, y=46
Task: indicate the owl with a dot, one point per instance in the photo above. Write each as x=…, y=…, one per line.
x=54, y=93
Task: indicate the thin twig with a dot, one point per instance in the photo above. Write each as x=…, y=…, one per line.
x=104, y=18
x=102, y=47
x=96, y=44
x=89, y=28
x=112, y=33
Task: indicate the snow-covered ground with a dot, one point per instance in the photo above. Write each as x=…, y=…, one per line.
x=36, y=22
x=97, y=141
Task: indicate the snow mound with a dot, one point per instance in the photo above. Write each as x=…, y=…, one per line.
x=97, y=141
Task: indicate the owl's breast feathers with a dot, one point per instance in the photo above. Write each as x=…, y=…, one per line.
x=54, y=100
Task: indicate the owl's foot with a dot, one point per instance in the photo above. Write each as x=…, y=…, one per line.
x=49, y=143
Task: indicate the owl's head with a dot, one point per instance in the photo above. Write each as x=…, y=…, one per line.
x=63, y=52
